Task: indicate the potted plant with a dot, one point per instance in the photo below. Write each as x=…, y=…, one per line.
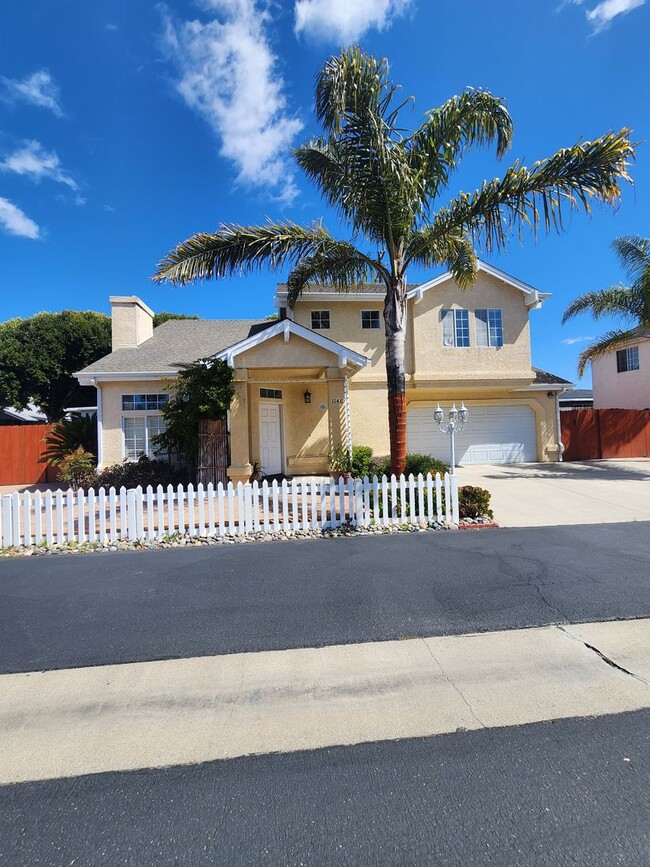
x=340, y=462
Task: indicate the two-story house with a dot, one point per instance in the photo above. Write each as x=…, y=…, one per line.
x=621, y=377
x=316, y=376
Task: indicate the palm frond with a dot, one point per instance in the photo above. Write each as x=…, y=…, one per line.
x=339, y=265
x=352, y=83
x=234, y=249
x=476, y=117
x=568, y=180
x=610, y=341
x=615, y=301
x=455, y=250
x=634, y=254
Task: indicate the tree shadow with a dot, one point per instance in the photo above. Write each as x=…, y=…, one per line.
x=588, y=471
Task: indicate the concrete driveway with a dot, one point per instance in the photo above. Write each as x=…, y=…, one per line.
x=543, y=495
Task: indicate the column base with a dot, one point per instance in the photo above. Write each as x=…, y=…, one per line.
x=240, y=473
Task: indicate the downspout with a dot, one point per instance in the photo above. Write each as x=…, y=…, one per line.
x=100, y=425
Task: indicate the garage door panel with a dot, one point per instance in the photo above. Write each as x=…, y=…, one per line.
x=494, y=435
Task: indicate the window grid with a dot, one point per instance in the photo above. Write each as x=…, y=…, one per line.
x=461, y=327
x=143, y=402
x=320, y=320
x=627, y=359
x=139, y=431
x=273, y=393
x=370, y=319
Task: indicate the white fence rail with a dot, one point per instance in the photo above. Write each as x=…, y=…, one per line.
x=106, y=516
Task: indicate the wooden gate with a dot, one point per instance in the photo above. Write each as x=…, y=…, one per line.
x=591, y=434
x=20, y=452
x=213, y=452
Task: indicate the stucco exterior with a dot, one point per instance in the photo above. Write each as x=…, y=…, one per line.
x=343, y=370
x=627, y=390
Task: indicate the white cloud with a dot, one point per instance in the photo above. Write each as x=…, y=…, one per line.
x=37, y=89
x=16, y=222
x=602, y=14
x=111, y=27
x=109, y=209
x=345, y=21
x=570, y=341
x=228, y=75
x=36, y=163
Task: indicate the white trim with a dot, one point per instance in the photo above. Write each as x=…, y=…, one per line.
x=124, y=376
x=286, y=327
x=534, y=298
x=545, y=386
x=100, y=430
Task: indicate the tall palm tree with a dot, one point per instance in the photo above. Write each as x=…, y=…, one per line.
x=630, y=303
x=386, y=183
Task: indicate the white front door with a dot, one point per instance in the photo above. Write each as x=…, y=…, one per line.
x=270, y=438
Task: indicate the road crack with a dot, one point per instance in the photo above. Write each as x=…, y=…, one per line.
x=453, y=685
x=606, y=659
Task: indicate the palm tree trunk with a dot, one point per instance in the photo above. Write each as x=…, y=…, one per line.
x=395, y=328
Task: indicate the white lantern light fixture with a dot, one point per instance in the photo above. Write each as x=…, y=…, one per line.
x=458, y=418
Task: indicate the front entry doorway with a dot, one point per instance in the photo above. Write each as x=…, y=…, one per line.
x=271, y=438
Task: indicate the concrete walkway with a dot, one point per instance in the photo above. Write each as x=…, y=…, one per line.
x=153, y=714
x=544, y=495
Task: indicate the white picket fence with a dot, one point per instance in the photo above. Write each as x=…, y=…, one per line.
x=107, y=516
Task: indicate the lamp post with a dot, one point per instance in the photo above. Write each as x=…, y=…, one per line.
x=457, y=421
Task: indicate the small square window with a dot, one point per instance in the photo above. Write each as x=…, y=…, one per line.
x=272, y=393
x=320, y=320
x=627, y=359
x=370, y=319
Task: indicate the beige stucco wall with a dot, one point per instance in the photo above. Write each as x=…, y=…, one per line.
x=628, y=390
x=296, y=352
x=435, y=361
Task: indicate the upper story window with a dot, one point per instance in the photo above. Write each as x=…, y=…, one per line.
x=143, y=402
x=489, y=327
x=320, y=320
x=370, y=319
x=627, y=359
x=455, y=327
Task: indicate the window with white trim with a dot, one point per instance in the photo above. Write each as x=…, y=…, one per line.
x=141, y=422
x=320, y=320
x=489, y=327
x=627, y=359
x=370, y=319
x=455, y=328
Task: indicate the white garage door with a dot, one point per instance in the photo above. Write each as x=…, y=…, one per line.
x=494, y=435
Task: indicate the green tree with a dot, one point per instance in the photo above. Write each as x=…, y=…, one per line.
x=39, y=355
x=203, y=390
x=386, y=184
x=159, y=318
x=629, y=303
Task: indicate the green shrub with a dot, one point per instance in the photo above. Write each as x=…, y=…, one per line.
x=143, y=472
x=339, y=460
x=68, y=435
x=379, y=466
x=77, y=469
x=361, y=461
x=424, y=464
x=474, y=502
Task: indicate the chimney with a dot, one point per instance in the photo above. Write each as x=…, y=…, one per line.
x=131, y=321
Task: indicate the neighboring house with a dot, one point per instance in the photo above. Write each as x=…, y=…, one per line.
x=30, y=415
x=316, y=377
x=621, y=378
x=576, y=398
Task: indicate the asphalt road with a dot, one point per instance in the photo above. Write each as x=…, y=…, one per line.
x=65, y=611
x=570, y=792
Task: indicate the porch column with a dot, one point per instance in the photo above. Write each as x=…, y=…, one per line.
x=336, y=406
x=240, y=467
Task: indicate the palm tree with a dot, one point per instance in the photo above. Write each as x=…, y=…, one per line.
x=386, y=183
x=631, y=303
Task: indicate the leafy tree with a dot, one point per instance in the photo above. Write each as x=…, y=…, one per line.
x=386, y=184
x=159, y=318
x=39, y=355
x=630, y=303
x=203, y=390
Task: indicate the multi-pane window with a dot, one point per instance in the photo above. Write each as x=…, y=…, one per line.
x=273, y=393
x=370, y=319
x=627, y=359
x=141, y=422
x=139, y=431
x=455, y=327
x=143, y=402
x=489, y=327
x=320, y=320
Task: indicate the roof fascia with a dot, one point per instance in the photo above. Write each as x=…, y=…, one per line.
x=92, y=378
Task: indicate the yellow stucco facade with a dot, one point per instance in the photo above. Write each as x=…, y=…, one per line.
x=277, y=370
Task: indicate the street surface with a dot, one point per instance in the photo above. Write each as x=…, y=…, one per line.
x=452, y=698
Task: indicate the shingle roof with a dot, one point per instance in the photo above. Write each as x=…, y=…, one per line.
x=577, y=394
x=359, y=288
x=177, y=343
x=543, y=377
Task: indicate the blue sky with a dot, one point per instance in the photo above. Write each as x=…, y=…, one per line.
x=126, y=127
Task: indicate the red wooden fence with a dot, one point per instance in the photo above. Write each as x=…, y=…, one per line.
x=21, y=446
x=590, y=434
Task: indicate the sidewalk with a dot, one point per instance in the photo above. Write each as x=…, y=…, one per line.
x=184, y=711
